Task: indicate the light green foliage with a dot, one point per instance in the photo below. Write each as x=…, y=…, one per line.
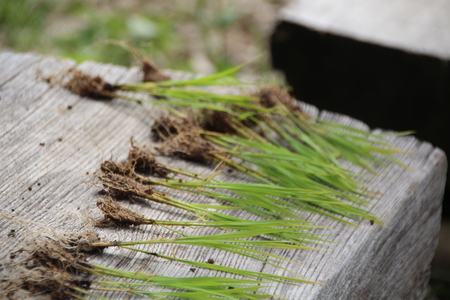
x=78, y=29
x=21, y=21
x=182, y=287
x=303, y=166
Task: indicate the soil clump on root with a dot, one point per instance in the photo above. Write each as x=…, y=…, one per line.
x=121, y=180
x=85, y=85
x=124, y=187
x=189, y=146
x=152, y=73
x=180, y=139
x=217, y=121
x=142, y=160
x=169, y=126
x=271, y=96
x=50, y=265
x=117, y=215
x=124, y=169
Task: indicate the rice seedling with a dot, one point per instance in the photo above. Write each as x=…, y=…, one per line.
x=125, y=186
x=116, y=280
x=280, y=202
x=290, y=183
x=267, y=277
x=292, y=150
x=293, y=230
x=186, y=288
x=56, y=266
x=296, y=160
x=55, y=262
x=264, y=200
x=237, y=242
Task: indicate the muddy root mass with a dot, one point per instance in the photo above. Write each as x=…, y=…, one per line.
x=169, y=126
x=180, y=139
x=189, y=146
x=85, y=85
x=115, y=214
x=152, y=73
x=217, y=121
x=123, y=186
x=124, y=169
x=142, y=160
x=47, y=266
x=271, y=96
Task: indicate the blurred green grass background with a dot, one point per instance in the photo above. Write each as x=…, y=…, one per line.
x=192, y=35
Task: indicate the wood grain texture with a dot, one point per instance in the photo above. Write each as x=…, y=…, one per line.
x=49, y=152
x=418, y=26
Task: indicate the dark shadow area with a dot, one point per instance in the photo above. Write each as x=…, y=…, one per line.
x=383, y=87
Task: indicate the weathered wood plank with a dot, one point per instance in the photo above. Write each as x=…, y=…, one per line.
x=49, y=184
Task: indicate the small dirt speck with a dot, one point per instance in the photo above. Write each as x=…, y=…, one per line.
x=210, y=261
x=372, y=222
x=192, y=269
x=39, y=184
x=30, y=188
x=41, y=144
x=59, y=139
x=69, y=107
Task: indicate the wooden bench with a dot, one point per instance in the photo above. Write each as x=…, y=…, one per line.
x=51, y=142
